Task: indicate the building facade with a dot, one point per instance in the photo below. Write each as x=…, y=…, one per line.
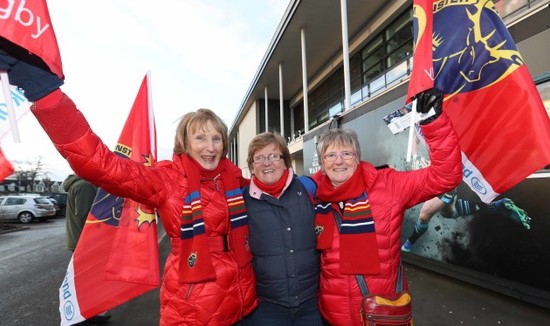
x=349, y=62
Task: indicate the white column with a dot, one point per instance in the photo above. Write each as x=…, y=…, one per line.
x=230, y=151
x=235, y=150
x=281, y=100
x=266, y=110
x=345, y=55
x=304, y=81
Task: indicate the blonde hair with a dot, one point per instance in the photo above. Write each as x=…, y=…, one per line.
x=191, y=122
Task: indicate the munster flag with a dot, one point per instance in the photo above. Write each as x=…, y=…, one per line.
x=28, y=25
x=116, y=258
x=6, y=169
x=503, y=128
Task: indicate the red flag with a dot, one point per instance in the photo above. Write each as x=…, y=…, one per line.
x=503, y=128
x=6, y=169
x=116, y=258
x=422, y=73
x=28, y=24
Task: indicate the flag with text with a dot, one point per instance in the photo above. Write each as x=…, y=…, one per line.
x=116, y=258
x=28, y=25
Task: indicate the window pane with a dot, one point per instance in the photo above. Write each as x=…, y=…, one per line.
x=402, y=23
x=504, y=8
x=377, y=84
x=373, y=59
x=399, y=55
x=373, y=72
x=544, y=90
x=397, y=72
x=373, y=46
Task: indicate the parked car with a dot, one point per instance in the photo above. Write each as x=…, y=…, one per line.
x=55, y=205
x=61, y=198
x=25, y=208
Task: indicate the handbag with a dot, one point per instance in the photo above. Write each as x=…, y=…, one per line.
x=394, y=310
x=377, y=310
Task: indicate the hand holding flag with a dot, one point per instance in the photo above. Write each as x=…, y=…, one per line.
x=116, y=258
x=26, y=29
x=35, y=81
x=465, y=50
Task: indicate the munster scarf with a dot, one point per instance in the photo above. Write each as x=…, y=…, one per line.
x=275, y=189
x=195, y=261
x=357, y=224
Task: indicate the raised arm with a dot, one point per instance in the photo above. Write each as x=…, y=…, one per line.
x=71, y=134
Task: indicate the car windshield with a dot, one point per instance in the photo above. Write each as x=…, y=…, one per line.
x=42, y=200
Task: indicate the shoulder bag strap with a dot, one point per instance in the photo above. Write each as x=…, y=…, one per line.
x=360, y=278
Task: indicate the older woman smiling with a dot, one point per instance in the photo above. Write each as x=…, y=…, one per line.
x=282, y=237
x=361, y=208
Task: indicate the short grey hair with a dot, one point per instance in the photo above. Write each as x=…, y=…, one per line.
x=338, y=136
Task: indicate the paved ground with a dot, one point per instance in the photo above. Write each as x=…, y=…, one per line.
x=440, y=300
x=437, y=300
x=8, y=227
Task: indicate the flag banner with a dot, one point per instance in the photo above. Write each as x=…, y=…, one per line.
x=21, y=105
x=6, y=169
x=490, y=96
x=28, y=25
x=116, y=258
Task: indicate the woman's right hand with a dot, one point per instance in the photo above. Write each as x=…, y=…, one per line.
x=35, y=82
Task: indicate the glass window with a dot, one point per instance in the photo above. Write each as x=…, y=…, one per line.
x=397, y=72
x=42, y=200
x=15, y=201
x=544, y=90
x=335, y=109
x=384, y=61
x=392, y=47
x=505, y=8
x=399, y=55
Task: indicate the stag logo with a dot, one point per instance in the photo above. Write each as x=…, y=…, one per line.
x=477, y=52
x=106, y=208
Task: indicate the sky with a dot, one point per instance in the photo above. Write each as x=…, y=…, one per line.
x=200, y=53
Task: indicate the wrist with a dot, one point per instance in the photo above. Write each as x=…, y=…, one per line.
x=50, y=100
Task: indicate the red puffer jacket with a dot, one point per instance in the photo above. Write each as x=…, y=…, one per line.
x=390, y=193
x=221, y=302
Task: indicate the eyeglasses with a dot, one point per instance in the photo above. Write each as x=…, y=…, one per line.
x=271, y=157
x=331, y=157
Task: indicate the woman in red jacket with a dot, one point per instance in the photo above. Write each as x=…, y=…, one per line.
x=208, y=277
x=360, y=211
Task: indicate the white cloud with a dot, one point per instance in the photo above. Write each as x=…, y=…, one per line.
x=201, y=53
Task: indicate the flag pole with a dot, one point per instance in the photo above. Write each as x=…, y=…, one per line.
x=411, y=131
x=9, y=105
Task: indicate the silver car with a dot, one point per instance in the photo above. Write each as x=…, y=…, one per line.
x=25, y=208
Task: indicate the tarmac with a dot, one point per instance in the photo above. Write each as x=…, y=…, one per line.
x=438, y=300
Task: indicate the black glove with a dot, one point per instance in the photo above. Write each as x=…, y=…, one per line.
x=428, y=99
x=35, y=81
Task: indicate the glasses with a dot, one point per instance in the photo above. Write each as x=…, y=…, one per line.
x=258, y=159
x=331, y=157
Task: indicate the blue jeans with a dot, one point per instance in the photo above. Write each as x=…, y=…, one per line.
x=270, y=314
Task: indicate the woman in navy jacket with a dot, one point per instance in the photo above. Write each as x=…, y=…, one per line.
x=282, y=238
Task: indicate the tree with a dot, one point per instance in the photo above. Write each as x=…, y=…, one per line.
x=29, y=171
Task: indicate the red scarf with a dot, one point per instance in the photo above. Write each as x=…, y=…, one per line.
x=275, y=189
x=195, y=262
x=357, y=229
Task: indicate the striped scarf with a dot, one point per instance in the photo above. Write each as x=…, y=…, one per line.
x=195, y=260
x=356, y=228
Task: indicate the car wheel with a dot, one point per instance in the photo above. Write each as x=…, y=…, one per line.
x=25, y=217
